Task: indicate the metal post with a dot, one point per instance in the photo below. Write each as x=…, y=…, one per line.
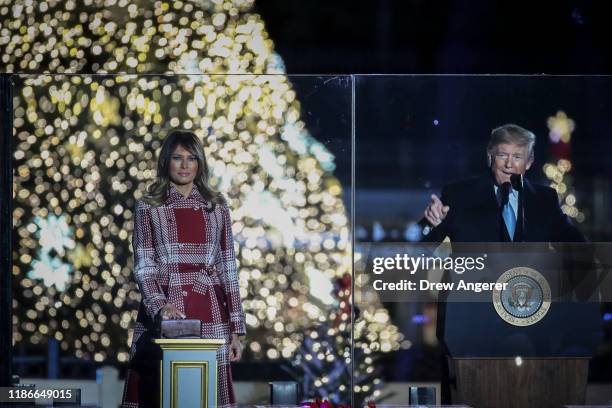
x=53, y=361
x=6, y=220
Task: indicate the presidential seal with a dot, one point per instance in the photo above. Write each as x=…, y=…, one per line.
x=525, y=299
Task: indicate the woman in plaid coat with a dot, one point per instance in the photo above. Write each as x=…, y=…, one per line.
x=185, y=267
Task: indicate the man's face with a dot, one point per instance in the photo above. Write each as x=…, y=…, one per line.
x=508, y=159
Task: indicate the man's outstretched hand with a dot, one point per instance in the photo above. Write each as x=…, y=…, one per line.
x=436, y=211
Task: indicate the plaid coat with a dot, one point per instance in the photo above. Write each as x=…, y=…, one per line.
x=183, y=255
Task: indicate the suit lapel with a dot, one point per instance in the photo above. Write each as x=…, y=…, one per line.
x=530, y=210
x=489, y=213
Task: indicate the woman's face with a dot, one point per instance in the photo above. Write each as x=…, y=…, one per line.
x=183, y=166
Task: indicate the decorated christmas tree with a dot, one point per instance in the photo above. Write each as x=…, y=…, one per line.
x=326, y=362
x=85, y=148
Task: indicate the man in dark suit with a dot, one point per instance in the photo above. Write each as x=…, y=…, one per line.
x=490, y=208
x=501, y=206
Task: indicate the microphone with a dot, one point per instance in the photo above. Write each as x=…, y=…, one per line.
x=517, y=181
x=505, y=193
x=518, y=184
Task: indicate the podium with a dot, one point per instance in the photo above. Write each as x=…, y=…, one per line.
x=528, y=345
x=188, y=372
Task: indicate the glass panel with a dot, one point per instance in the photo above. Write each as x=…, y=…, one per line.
x=278, y=149
x=6, y=322
x=414, y=135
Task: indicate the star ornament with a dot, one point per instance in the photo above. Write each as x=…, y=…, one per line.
x=51, y=270
x=105, y=108
x=54, y=234
x=80, y=256
x=560, y=127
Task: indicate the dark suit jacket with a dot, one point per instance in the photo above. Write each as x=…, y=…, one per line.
x=475, y=215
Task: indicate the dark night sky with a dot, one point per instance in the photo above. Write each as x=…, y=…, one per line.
x=397, y=147
x=441, y=36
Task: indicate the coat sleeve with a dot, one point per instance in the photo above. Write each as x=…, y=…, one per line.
x=226, y=265
x=145, y=265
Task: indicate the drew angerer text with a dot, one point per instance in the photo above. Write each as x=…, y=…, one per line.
x=424, y=284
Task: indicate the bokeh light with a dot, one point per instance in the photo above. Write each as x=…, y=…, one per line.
x=560, y=129
x=85, y=147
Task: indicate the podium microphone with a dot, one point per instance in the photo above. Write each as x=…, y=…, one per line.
x=505, y=193
x=517, y=183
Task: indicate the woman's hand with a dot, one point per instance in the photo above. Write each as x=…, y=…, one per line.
x=170, y=312
x=235, y=348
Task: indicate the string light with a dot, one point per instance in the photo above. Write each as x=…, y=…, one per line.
x=560, y=133
x=85, y=148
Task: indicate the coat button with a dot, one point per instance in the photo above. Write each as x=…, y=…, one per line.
x=184, y=293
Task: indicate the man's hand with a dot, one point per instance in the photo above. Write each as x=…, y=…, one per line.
x=235, y=348
x=170, y=312
x=436, y=211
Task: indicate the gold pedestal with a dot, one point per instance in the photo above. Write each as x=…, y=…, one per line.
x=188, y=372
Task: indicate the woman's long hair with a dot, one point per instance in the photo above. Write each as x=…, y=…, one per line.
x=157, y=191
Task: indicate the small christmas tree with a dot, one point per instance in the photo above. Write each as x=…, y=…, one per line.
x=324, y=364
